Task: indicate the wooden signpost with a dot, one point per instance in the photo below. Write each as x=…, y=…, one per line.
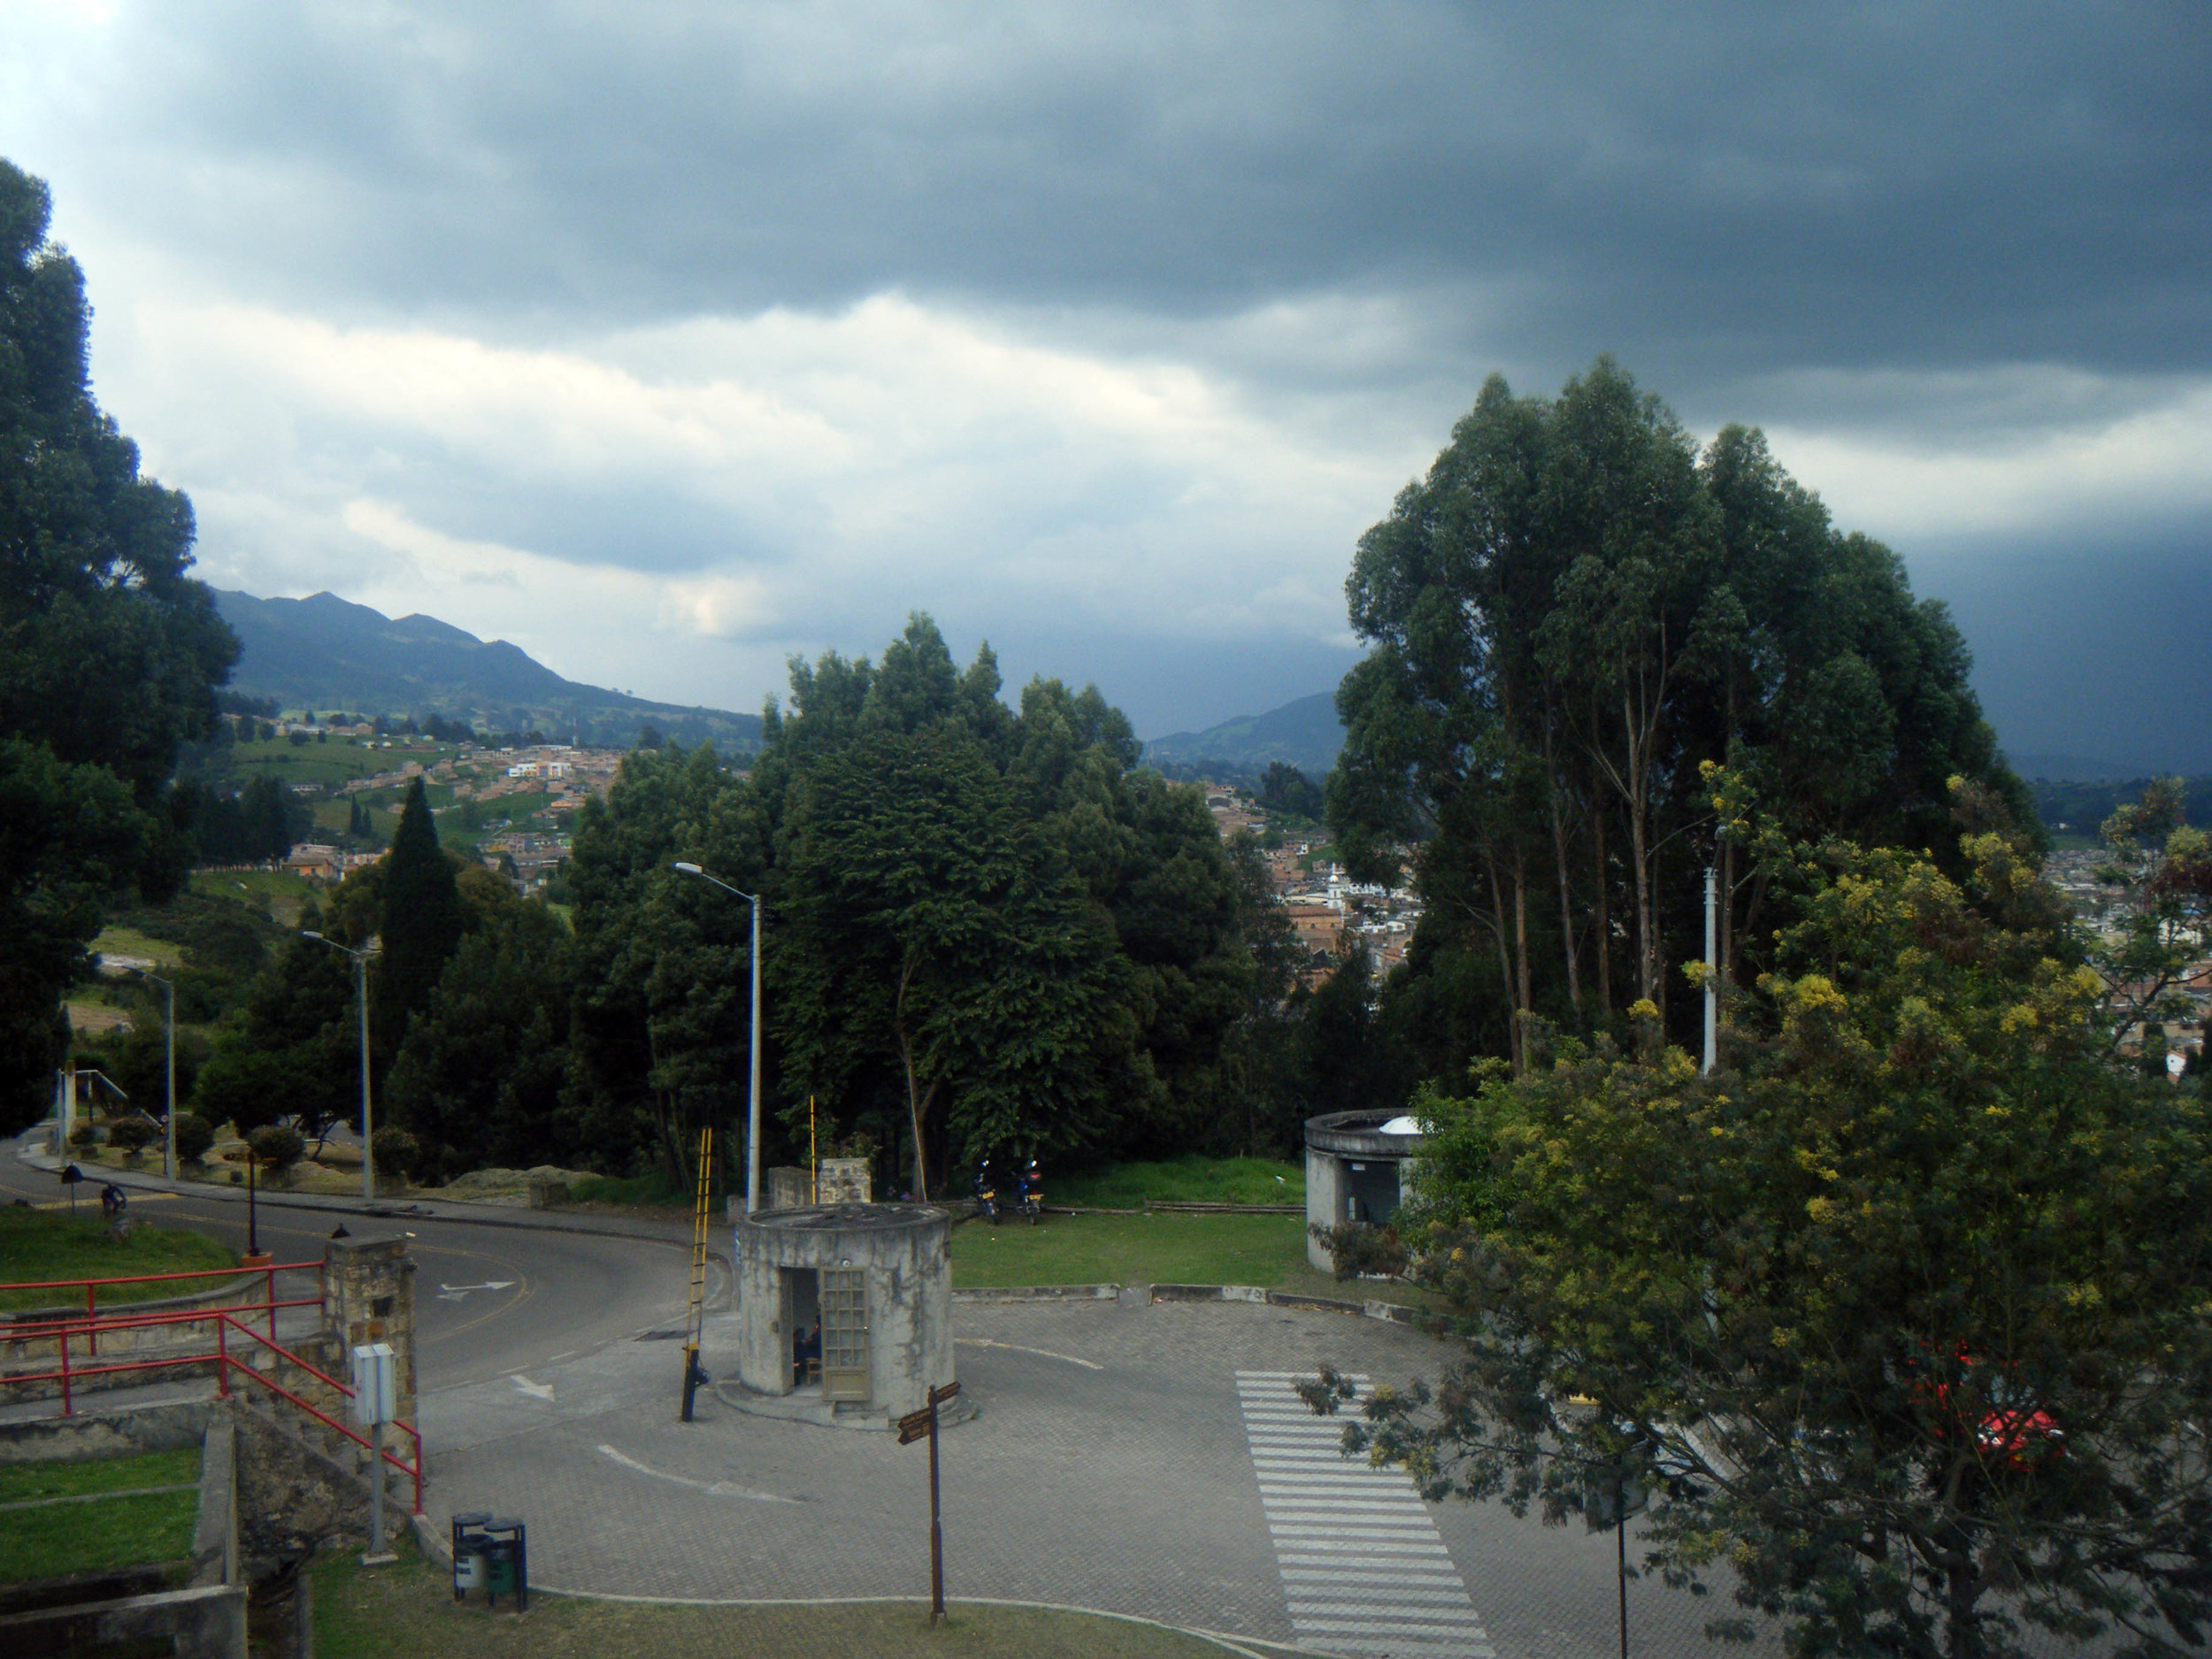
x=917, y=1425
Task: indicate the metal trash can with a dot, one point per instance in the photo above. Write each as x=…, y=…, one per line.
x=470, y=1544
x=507, y=1563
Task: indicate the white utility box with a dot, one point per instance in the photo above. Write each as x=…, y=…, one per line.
x=375, y=1384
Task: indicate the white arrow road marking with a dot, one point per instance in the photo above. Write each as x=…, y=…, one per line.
x=1042, y=1353
x=719, y=1488
x=535, y=1390
x=455, y=1293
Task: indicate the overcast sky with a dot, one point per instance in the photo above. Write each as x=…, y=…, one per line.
x=668, y=342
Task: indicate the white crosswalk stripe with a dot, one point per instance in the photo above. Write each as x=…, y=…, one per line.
x=1363, y=1569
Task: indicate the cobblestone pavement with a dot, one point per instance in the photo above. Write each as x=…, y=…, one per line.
x=1108, y=1467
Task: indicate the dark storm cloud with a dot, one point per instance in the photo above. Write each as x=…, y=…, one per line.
x=1716, y=192
x=2089, y=647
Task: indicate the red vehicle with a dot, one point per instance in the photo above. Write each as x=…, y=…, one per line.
x=2014, y=1428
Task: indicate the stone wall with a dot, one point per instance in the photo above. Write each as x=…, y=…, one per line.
x=205, y=1618
x=1324, y=1202
x=292, y=1496
x=845, y=1181
x=369, y=1290
x=89, y=1434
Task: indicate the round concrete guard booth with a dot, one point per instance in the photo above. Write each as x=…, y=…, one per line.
x=1359, y=1166
x=844, y=1311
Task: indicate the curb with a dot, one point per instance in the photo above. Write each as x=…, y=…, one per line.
x=1037, y=1293
x=1248, y=1647
x=380, y=1210
x=1387, y=1312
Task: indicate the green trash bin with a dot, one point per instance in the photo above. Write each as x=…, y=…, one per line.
x=507, y=1563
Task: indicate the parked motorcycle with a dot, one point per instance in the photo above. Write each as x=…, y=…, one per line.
x=985, y=1196
x=1033, y=1199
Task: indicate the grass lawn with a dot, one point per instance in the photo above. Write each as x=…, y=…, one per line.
x=47, y=1244
x=337, y=760
x=1180, y=1180
x=19, y=1483
x=1151, y=1250
x=278, y=892
x=408, y=1608
x=71, y=1537
x=128, y=941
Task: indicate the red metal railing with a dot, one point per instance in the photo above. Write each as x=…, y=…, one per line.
x=226, y=1321
x=91, y=1286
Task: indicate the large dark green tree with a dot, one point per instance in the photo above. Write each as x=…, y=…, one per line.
x=936, y=941
x=986, y=921
x=1573, y=609
x=479, y=1078
x=659, y=1038
x=109, y=651
x=422, y=923
x=290, y=1048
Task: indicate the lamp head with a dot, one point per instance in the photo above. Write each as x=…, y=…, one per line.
x=308, y=932
x=689, y=869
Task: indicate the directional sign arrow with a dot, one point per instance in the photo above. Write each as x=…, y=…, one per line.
x=535, y=1390
x=453, y=1293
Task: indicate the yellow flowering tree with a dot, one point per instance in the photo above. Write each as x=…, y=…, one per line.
x=1903, y=1318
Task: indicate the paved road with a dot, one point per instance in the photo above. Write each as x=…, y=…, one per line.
x=1127, y=1459
x=560, y=1293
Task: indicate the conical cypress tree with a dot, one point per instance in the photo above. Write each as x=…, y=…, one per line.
x=422, y=919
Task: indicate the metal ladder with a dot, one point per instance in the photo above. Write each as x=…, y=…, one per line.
x=694, y=1321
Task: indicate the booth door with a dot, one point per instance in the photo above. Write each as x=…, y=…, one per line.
x=845, y=1334
x=1371, y=1190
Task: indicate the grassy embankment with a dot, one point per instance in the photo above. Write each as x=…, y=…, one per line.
x=408, y=1608
x=47, y=1244
x=1152, y=1247
x=1163, y=1247
x=73, y=1537
x=277, y=894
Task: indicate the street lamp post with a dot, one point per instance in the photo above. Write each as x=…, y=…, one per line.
x=752, y=1109
x=368, y=1126
x=169, y=1038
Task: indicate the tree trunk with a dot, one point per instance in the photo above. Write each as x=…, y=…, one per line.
x=1637, y=832
x=1523, y=1002
x=1559, y=855
x=1505, y=961
x=1604, y=910
x=917, y=1104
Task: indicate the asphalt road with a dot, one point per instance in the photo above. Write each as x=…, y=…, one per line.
x=489, y=1301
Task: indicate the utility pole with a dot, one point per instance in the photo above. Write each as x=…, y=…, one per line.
x=169, y=1035
x=752, y=1110
x=368, y=1127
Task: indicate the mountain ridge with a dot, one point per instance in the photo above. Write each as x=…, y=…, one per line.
x=1303, y=732
x=326, y=652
